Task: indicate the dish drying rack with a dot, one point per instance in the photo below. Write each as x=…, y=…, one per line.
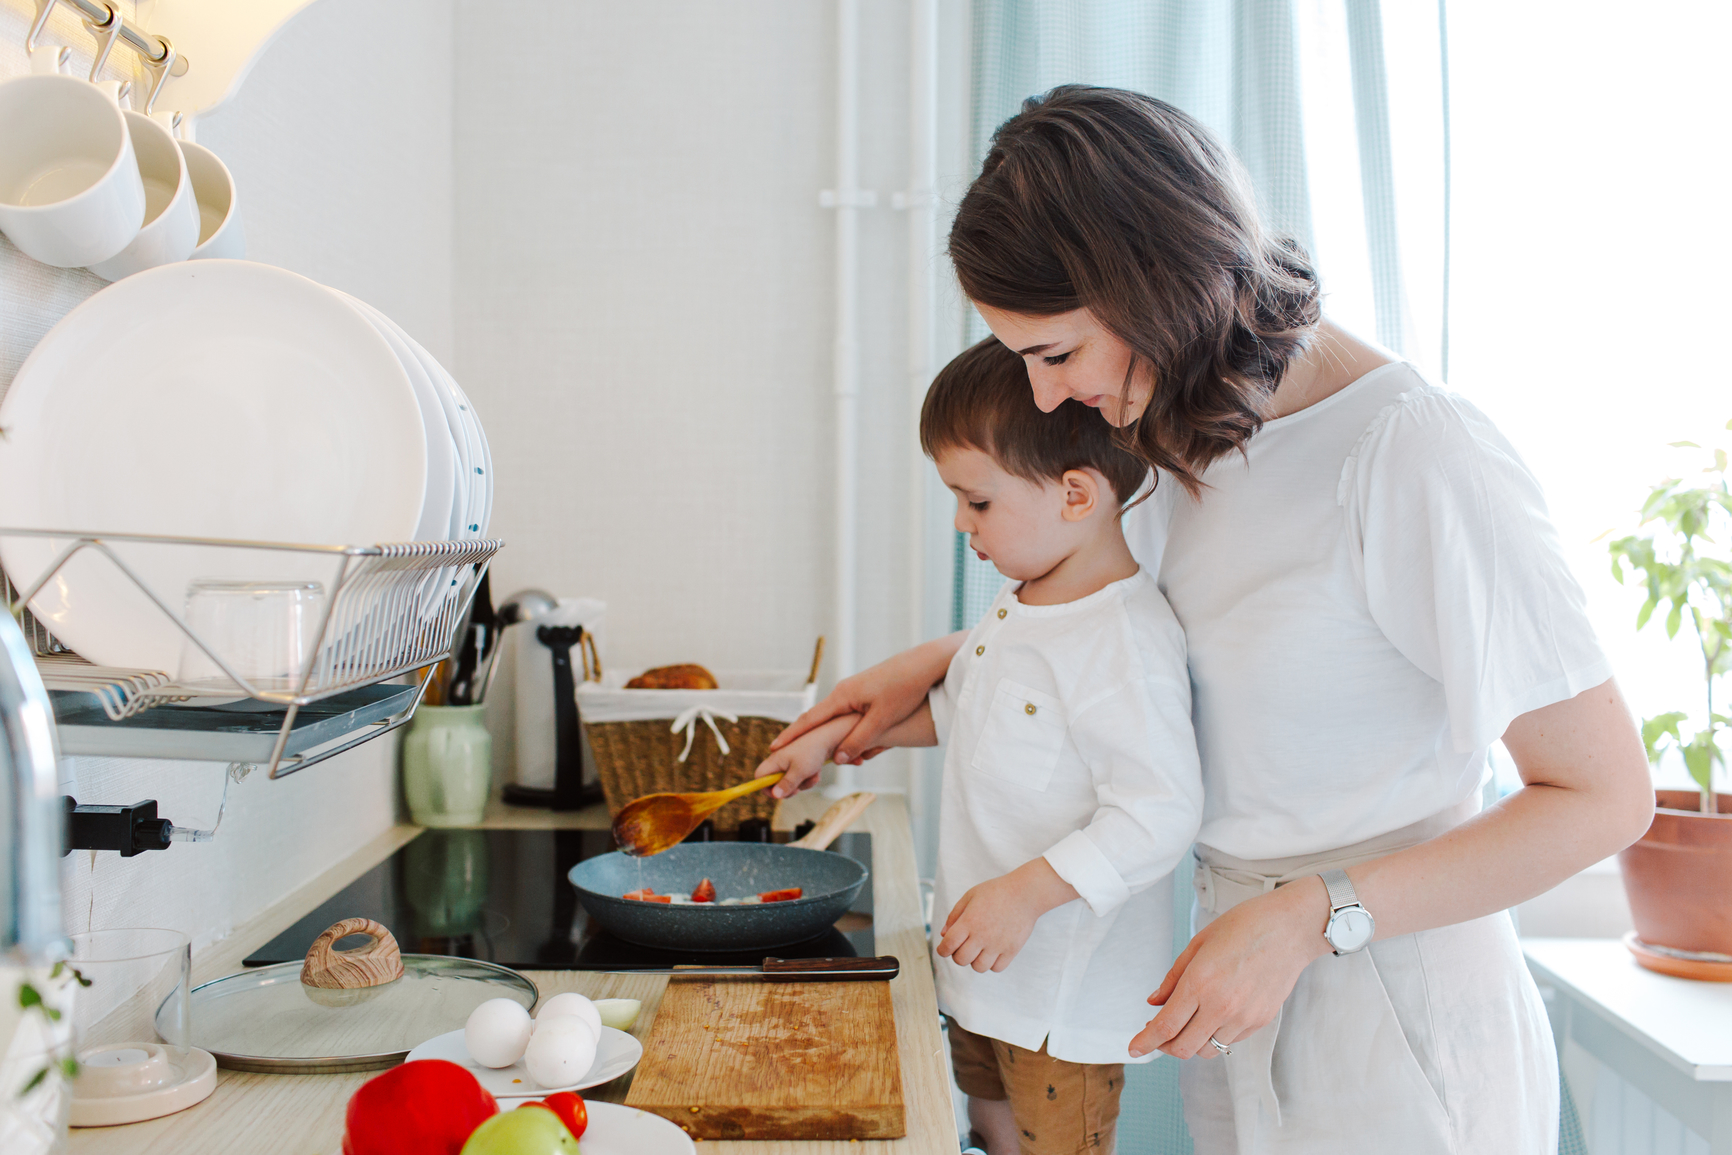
x=389, y=609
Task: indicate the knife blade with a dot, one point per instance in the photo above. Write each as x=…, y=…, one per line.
x=785, y=970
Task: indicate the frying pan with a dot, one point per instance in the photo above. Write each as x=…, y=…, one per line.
x=739, y=869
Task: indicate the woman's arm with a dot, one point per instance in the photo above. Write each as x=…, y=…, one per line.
x=882, y=696
x=1586, y=794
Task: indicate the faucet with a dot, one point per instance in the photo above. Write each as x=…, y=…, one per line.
x=31, y=813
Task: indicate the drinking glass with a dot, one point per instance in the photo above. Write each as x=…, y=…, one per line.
x=264, y=630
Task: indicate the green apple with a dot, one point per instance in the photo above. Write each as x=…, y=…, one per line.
x=522, y=1133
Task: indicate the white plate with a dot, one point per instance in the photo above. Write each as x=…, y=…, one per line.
x=477, y=469
x=617, y=1130
x=481, y=482
x=486, y=457
x=204, y=398
x=617, y=1054
x=437, y=507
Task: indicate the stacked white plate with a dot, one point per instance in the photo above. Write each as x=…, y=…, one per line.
x=224, y=399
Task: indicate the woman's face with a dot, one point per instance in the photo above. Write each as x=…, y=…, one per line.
x=1073, y=355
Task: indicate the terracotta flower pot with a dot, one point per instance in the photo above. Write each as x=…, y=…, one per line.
x=1679, y=875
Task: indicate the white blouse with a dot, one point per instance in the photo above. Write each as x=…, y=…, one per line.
x=1370, y=595
x=1067, y=733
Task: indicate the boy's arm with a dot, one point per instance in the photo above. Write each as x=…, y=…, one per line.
x=1139, y=748
x=801, y=760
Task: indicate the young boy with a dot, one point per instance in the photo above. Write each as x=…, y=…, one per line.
x=1071, y=781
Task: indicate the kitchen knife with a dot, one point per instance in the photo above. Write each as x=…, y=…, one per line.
x=785, y=970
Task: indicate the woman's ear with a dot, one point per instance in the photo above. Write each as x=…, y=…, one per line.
x=1082, y=493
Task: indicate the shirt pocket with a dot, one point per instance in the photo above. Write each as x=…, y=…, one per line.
x=1022, y=737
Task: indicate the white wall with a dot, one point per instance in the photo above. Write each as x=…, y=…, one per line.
x=340, y=144
x=644, y=290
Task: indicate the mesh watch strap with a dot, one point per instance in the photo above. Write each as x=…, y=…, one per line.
x=1340, y=887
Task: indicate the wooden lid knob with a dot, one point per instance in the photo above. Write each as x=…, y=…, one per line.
x=372, y=965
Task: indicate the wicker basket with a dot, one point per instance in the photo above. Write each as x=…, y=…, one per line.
x=638, y=758
x=639, y=749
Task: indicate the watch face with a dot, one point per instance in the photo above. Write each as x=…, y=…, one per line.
x=1350, y=929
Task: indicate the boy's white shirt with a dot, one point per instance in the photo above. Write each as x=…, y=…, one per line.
x=1067, y=733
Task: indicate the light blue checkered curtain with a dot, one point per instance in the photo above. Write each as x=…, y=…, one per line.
x=1336, y=107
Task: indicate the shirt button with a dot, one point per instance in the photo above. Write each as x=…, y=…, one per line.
x=1001, y=613
x=979, y=650
x=1028, y=709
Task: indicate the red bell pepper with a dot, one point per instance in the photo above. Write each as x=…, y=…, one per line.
x=428, y=1107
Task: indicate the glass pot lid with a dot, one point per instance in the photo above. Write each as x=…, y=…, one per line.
x=267, y=1020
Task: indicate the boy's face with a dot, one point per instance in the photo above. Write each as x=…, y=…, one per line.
x=1016, y=524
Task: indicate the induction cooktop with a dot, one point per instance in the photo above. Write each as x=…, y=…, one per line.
x=502, y=896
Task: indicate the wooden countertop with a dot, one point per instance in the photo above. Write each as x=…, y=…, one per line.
x=303, y=1114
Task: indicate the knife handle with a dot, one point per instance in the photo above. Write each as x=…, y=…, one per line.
x=832, y=970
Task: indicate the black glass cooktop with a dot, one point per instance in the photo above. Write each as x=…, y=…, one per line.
x=502, y=896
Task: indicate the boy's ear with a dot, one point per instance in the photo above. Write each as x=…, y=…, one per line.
x=1082, y=493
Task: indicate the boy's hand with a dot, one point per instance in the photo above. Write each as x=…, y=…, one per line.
x=989, y=924
x=801, y=760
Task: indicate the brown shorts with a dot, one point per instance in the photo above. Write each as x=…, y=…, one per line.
x=1061, y=1108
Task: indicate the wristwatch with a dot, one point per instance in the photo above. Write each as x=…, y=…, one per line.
x=1350, y=924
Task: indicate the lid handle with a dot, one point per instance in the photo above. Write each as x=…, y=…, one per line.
x=372, y=965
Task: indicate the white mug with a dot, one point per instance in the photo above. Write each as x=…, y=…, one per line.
x=70, y=192
x=171, y=220
x=219, y=233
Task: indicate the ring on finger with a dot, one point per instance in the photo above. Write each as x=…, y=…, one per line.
x=1219, y=1046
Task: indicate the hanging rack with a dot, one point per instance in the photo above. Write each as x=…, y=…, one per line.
x=103, y=19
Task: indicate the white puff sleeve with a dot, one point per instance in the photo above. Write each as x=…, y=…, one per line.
x=1461, y=565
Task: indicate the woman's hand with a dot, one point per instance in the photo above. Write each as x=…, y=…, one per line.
x=1232, y=978
x=881, y=696
x=989, y=924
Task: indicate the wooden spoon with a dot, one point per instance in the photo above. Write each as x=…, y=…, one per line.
x=655, y=822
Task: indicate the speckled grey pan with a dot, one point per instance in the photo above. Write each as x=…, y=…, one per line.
x=738, y=869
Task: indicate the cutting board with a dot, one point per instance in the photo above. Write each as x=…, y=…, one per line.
x=751, y=1060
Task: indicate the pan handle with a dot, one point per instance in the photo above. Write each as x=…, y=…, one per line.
x=831, y=970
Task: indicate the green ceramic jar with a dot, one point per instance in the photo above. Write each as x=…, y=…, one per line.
x=447, y=766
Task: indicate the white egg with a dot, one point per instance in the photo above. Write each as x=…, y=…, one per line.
x=570, y=1005
x=561, y=1051
x=497, y=1032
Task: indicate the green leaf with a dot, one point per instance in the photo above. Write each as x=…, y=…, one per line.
x=1719, y=462
x=69, y=1067
x=35, y=1082
x=28, y=996
x=79, y=975
x=1699, y=758
x=1674, y=620
x=1659, y=726
x=1683, y=445
x=1646, y=612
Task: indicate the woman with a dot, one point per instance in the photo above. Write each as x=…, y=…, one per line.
x=1372, y=595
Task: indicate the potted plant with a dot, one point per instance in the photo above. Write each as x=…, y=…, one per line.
x=1679, y=875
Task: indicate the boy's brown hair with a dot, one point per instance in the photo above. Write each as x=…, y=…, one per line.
x=982, y=400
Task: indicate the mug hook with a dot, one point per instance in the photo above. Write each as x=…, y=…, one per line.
x=106, y=34
x=43, y=9
x=159, y=72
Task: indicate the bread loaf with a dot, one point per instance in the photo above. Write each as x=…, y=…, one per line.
x=687, y=676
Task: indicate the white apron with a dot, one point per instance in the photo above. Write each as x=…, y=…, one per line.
x=1425, y=1044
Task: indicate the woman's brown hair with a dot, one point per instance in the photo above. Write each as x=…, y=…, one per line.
x=1115, y=202
x=981, y=400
